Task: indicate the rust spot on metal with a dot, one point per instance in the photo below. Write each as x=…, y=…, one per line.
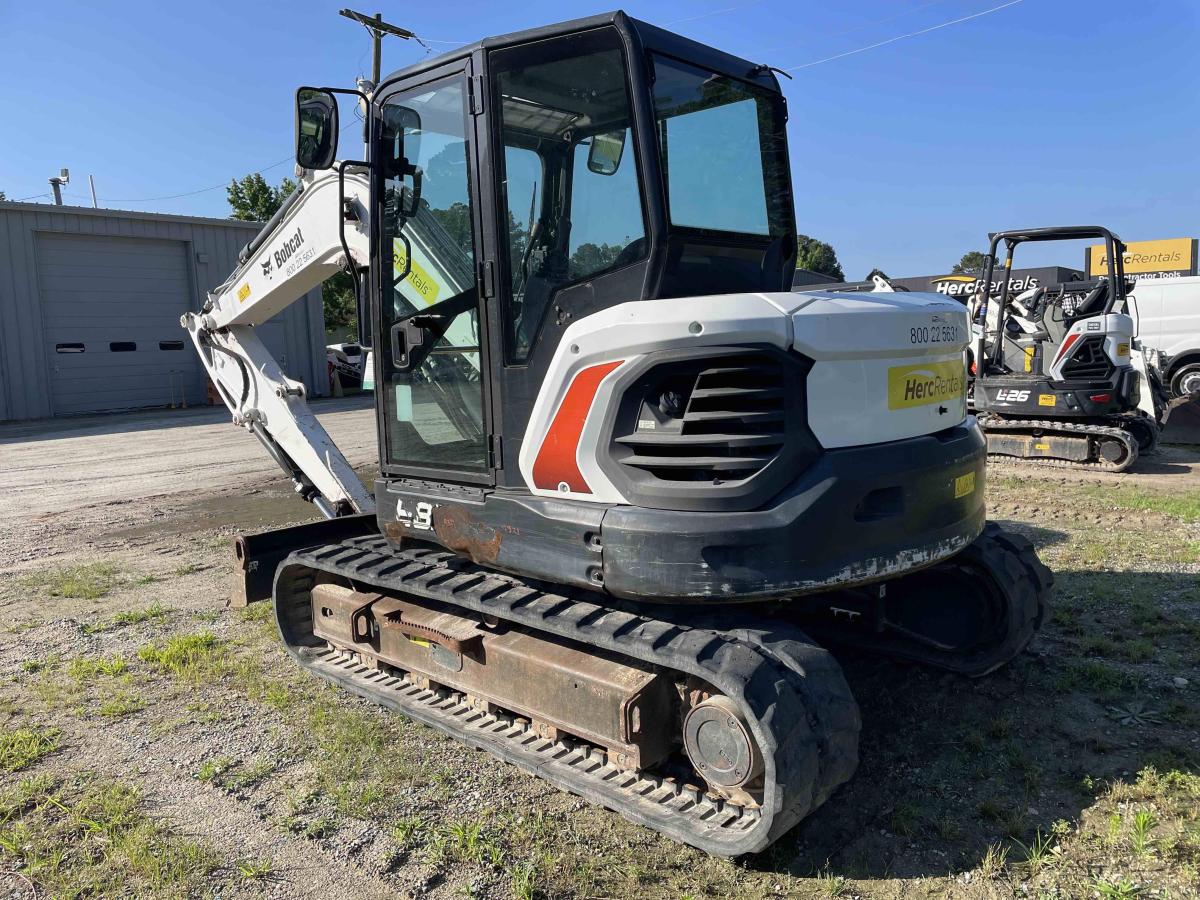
x=396, y=532
x=459, y=532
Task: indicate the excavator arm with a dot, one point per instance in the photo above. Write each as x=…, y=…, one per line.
x=321, y=229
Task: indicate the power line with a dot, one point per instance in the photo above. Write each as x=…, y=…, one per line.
x=223, y=184
x=760, y=52
x=901, y=37
x=715, y=12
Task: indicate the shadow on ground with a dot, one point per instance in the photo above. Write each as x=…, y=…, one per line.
x=950, y=766
x=146, y=420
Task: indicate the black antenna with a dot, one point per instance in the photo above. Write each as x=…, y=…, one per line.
x=378, y=29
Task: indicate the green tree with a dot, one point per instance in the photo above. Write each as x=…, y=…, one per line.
x=252, y=199
x=589, y=258
x=972, y=263
x=818, y=256
x=3, y=196
x=882, y=274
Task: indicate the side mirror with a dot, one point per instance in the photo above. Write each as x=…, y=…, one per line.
x=316, y=128
x=604, y=157
x=402, y=137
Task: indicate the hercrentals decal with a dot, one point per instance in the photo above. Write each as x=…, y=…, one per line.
x=287, y=248
x=925, y=383
x=966, y=285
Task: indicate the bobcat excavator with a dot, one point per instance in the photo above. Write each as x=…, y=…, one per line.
x=1059, y=377
x=627, y=478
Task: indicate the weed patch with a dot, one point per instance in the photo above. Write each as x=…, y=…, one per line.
x=137, y=616
x=85, y=669
x=1181, y=505
x=22, y=747
x=89, y=837
x=195, y=657
x=89, y=581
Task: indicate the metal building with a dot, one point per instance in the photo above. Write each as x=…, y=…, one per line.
x=90, y=301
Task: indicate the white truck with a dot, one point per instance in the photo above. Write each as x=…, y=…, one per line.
x=1167, y=314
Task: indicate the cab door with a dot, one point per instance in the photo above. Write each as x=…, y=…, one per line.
x=433, y=386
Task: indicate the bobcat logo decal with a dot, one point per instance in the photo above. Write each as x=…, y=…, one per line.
x=266, y=267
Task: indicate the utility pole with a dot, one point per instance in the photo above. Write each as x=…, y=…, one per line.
x=92, y=185
x=63, y=177
x=378, y=29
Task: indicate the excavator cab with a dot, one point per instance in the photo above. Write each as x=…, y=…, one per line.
x=529, y=181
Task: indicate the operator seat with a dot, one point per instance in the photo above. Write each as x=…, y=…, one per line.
x=1055, y=321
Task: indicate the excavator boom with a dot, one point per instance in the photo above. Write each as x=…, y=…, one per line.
x=321, y=229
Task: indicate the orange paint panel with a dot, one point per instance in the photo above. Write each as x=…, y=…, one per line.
x=557, y=461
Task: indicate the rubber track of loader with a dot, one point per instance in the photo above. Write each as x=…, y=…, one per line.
x=792, y=692
x=998, y=424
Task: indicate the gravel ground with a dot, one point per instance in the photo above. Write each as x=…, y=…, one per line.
x=235, y=752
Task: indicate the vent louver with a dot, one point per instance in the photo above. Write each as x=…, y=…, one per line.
x=1089, y=361
x=730, y=421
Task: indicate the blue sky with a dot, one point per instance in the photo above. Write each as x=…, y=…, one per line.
x=903, y=156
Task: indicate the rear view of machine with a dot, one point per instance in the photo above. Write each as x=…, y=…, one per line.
x=625, y=473
x=1059, y=375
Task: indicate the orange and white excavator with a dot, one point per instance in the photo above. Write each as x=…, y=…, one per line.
x=629, y=483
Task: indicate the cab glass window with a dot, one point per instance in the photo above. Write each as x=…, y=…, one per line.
x=723, y=151
x=571, y=197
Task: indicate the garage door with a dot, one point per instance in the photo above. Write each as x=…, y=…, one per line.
x=110, y=314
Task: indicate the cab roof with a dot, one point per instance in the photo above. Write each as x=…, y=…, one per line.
x=637, y=34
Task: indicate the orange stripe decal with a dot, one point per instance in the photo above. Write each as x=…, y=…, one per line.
x=1066, y=345
x=556, y=462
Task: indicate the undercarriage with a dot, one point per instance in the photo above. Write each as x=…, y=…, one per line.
x=719, y=727
x=1108, y=447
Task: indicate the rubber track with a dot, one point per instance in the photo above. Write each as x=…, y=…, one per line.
x=1016, y=573
x=997, y=424
x=791, y=691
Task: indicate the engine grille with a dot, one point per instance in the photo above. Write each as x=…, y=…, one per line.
x=1089, y=361
x=730, y=421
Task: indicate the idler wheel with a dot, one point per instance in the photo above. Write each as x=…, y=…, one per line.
x=719, y=745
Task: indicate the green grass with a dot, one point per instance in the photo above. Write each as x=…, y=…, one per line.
x=1182, y=505
x=89, y=837
x=22, y=747
x=33, y=666
x=152, y=612
x=255, y=870
x=85, y=669
x=88, y=581
x=120, y=704
x=194, y=657
x=213, y=769
x=1096, y=677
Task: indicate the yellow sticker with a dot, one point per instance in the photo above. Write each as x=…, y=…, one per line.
x=925, y=383
x=421, y=642
x=243, y=293
x=1045, y=399
x=420, y=280
x=964, y=484
x=1122, y=349
x=1041, y=446
x=1029, y=359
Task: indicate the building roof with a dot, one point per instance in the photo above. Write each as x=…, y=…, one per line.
x=128, y=214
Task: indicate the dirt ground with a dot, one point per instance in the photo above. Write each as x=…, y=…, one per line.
x=154, y=742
